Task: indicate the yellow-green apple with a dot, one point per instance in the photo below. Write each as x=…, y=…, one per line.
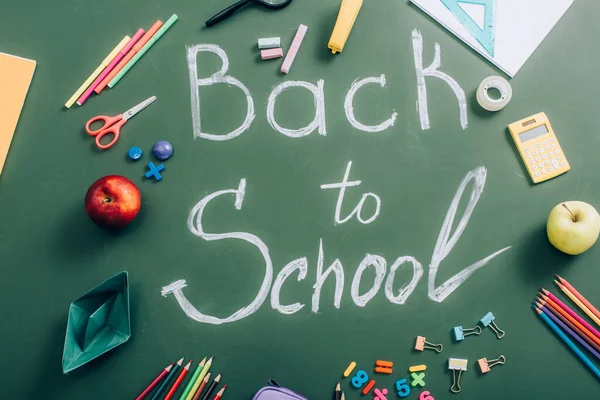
x=573, y=227
x=113, y=201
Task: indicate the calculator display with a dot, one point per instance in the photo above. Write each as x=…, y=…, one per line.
x=533, y=133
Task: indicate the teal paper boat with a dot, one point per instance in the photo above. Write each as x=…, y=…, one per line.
x=98, y=322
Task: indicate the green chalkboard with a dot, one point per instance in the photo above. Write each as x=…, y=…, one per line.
x=52, y=253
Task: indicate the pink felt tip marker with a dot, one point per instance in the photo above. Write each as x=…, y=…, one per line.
x=110, y=66
x=269, y=54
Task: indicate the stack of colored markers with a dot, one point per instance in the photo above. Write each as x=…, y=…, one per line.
x=568, y=324
x=172, y=377
x=120, y=60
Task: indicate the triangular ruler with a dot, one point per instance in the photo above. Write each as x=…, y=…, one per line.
x=484, y=36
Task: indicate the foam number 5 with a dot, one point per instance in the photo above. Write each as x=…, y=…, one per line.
x=360, y=379
x=402, y=388
x=425, y=396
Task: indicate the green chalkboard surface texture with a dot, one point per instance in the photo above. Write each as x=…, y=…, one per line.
x=293, y=231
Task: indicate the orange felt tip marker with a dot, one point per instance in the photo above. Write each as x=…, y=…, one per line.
x=138, y=45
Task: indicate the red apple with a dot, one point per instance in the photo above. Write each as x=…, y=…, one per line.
x=113, y=201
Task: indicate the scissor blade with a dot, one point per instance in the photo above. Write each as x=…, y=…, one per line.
x=131, y=112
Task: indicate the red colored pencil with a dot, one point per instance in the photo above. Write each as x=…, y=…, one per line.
x=178, y=381
x=548, y=300
x=572, y=313
x=220, y=394
x=155, y=382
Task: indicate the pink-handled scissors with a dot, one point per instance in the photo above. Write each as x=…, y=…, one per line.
x=112, y=125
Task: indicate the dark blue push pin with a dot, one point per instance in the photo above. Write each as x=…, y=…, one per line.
x=154, y=171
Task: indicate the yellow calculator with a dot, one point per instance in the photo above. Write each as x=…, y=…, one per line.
x=539, y=148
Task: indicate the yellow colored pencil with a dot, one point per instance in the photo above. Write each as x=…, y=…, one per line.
x=578, y=302
x=198, y=382
x=97, y=72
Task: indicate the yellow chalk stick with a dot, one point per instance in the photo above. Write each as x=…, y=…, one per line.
x=97, y=71
x=417, y=368
x=345, y=20
x=349, y=370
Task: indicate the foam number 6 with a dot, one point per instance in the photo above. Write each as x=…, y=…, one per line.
x=360, y=378
x=402, y=388
x=425, y=396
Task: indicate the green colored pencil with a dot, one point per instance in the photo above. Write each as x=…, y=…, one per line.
x=187, y=389
x=143, y=50
x=199, y=379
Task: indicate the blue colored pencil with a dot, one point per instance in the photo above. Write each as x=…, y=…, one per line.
x=570, y=332
x=165, y=385
x=568, y=341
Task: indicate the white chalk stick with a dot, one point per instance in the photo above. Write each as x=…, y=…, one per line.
x=269, y=43
x=271, y=53
x=289, y=59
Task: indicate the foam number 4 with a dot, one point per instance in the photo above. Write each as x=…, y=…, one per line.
x=402, y=388
x=425, y=396
x=360, y=379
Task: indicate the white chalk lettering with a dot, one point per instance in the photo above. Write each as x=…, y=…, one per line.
x=405, y=291
x=300, y=264
x=369, y=261
x=358, y=209
x=349, y=108
x=338, y=270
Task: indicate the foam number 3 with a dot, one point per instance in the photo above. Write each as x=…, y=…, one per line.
x=425, y=396
x=360, y=378
x=402, y=388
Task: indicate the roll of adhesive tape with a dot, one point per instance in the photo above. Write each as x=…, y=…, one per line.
x=496, y=82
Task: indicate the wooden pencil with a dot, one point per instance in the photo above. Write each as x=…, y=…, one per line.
x=338, y=393
x=202, y=386
x=572, y=313
x=579, y=296
x=178, y=381
x=570, y=325
x=220, y=394
x=195, y=376
x=199, y=380
x=549, y=301
x=162, y=388
x=571, y=333
x=155, y=382
x=343, y=396
x=579, y=303
x=212, y=387
x=569, y=343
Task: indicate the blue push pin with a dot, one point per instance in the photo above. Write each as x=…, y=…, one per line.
x=460, y=333
x=154, y=171
x=135, y=153
x=488, y=320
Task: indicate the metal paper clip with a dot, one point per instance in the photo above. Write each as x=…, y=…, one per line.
x=457, y=365
x=460, y=332
x=422, y=344
x=485, y=364
x=488, y=320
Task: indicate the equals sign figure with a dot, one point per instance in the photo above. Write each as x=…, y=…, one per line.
x=383, y=367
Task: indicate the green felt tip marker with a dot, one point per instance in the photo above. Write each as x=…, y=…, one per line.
x=190, y=384
x=143, y=50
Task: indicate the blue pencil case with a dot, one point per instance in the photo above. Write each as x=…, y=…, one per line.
x=276, y=392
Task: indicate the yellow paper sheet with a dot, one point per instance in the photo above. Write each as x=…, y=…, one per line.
x=15, y=77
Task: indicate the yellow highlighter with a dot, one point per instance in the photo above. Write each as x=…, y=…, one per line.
x=345, y=20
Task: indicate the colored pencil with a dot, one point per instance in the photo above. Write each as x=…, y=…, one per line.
x=569, y=343
x=212, y=387
x=202, y=386
x=97, y=71
x=138, y=45
x=168, y=379
x=143, y=50
x=571, y=319
x=220, y=394
x=541, y=304
x=343, y=396
x=199, y=380
x=579, y=303
x=579, y=296
x=155, y=382
x=573, y=314
x=571, y=333
x=178, y=381
x=338, y=393
x=190, y=384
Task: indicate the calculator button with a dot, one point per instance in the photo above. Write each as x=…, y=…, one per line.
x=547, y=162
x=555, y=163
x=537, y=173
x=559, y=157
x=553, y=145
x=529, y=155
x=549, y=169
x=545, y=156
x=535, y=153
x=547, y=147
x=562, y=164
x=551, y=154
x=544, y=170
x=531, y=162
x=545, y=142
x=551, y=140
x=538, y=158
x=541, y=165
x=534, y=167
x=542, y=150
x=556, y=151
